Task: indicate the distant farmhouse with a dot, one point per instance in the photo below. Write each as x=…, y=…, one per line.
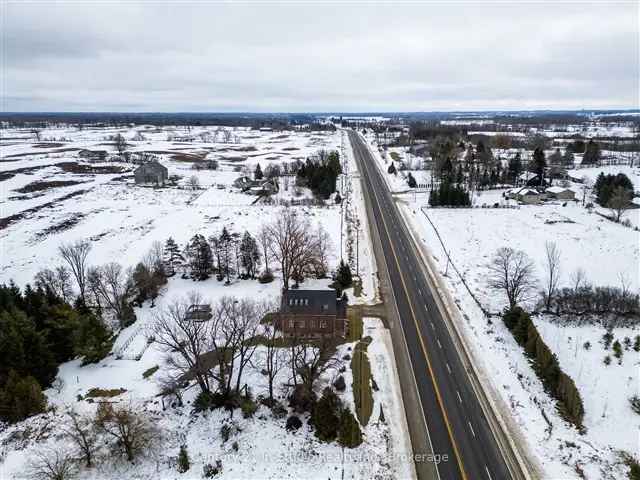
x=312, y=314
x=151, y=173
x=560, y=193
x=527, y=195
x=256, y=187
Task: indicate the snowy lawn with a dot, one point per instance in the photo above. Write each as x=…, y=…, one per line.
x=605, y=251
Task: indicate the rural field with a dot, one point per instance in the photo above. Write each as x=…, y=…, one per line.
x=57, y=190
x=608, y=254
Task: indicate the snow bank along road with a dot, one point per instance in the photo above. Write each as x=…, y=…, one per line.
x=456, y=422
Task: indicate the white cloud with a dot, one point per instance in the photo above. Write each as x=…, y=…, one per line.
x=318, y=57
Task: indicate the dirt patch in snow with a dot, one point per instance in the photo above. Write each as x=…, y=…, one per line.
x=43, y=185
x=6, y=221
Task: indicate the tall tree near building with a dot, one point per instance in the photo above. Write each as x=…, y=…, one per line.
x=538, y=164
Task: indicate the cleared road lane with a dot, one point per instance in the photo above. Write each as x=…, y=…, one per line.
x=455, y=420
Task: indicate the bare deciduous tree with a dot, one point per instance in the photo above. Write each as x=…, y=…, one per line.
x=75, y=254
x=310, y=360
x=51, y=464
x=553, y=271
x=120, y=143
x=37, y=133
x=114, y=286
x=513, y=272
x=132, y=429
x=185, y=341
x=56, y=281
x=275, y=356
x=619, y=202
x=81, y=430
x=293, y=244
x=578, y=278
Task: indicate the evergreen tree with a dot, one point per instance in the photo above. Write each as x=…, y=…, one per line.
x=325, y=416
x=349, y=435
x=173, y=258
x=392, y=169
x=199, y=258
x=183, y=460
x=257, y=174
x=344, y=278
x=591, y=153
x=250, y=255
x=411, y=181
x=538, y=164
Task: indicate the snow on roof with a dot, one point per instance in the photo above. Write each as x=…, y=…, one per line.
x=528, y=191
x=557, y=189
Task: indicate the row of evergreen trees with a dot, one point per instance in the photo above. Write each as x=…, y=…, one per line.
x=557, y=383
x=39, y=331
x=449, y=194
x=320, y=174
x=227, y=255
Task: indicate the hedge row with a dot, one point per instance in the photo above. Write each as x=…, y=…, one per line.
x=557, y=383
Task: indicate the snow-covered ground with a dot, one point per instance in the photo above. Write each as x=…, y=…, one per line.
x=605, y=251
x=122, y=221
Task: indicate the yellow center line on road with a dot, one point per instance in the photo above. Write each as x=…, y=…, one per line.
x=424, y=349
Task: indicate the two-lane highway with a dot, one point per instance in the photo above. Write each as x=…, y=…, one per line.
x=455, y=421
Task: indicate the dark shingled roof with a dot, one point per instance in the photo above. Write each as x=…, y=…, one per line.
x=313, y=302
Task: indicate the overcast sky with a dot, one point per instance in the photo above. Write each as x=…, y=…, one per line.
x=294, y=57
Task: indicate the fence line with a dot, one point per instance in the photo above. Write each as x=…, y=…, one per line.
x=486, y=312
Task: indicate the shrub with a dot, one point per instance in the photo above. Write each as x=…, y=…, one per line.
x=587, y=345
x=278, y=410
x=302, y=400
x=21, y=398
x=293, y=423
x=349, y=434
x=635, y=404
x=340, y=384
x=266, y=277
x=607, y=338
x=183, y=460
x=607, y=360
x=149, y=372
x=249, y=408
x=210, y=471
x=206, y=401
x=617, y=350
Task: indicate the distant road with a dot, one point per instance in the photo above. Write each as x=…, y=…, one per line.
x=456, y=423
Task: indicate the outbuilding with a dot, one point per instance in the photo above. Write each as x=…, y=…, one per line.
x=151, y=173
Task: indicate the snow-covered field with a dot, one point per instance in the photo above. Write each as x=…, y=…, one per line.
x=122, y=221
x=605, y=251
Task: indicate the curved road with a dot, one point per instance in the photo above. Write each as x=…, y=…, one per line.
x=456, y=423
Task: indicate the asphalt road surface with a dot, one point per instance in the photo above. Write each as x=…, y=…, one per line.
x=455, y=421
